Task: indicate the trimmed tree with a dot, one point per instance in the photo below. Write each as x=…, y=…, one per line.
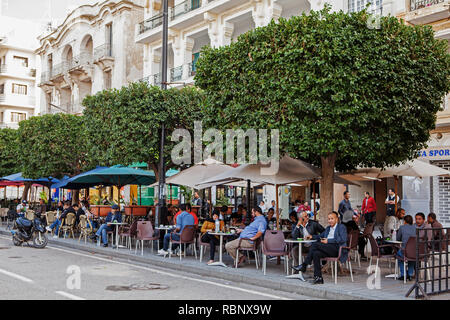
x=123, y=126
x=9, y=163
x=341, y=93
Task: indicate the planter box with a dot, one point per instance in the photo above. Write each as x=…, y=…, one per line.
x=136, y=211
x=100, y=211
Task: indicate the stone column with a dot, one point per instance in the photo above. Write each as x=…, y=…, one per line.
x=228, y=29
x=213, y=28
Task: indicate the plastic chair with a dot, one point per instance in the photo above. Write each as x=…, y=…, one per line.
x=254, y=248
x=128, y=232
x=336, y=259
x=376, y=252
x=187, y=237
x=409, y=255
x=274, y=245
x=145, y=233
x=202, y=246
x=354, y=245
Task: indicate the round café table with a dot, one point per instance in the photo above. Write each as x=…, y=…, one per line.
x=396, y=243
x=300, y=258
x=221, y=235
x=117, y=224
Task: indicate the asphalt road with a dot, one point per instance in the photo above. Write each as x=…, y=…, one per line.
x=58, y=273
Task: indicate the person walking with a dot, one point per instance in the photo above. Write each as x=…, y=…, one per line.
x=369, y=208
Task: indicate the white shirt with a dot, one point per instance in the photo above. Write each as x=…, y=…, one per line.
x=331, y=234
x=20, y=207
x=305, y=231
x=398, y=199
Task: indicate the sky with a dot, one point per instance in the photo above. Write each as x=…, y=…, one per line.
x=39, y=11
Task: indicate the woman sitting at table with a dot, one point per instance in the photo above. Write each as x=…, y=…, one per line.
x=210, y=225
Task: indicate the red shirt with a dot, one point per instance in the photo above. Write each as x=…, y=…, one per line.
x=191, y=213
x=368, y=205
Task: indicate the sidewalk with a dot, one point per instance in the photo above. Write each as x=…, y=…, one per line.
x=391, y=289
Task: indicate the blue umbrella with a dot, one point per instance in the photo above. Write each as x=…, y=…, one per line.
x=70, y=183
x=17, y=177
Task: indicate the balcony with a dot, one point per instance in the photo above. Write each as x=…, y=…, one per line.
x=182, y=16
x=102, y=52
x=10, y=125
x=426, y=11
x=18, y=100
x=17, y=71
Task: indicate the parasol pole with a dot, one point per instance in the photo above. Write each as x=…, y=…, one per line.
x=396, y=187
x=278, y=211
x=314, y=198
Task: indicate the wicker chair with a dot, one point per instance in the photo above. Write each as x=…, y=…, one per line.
x=68, y=224
x=85, y=228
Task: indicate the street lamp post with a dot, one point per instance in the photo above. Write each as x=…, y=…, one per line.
x=161, y=208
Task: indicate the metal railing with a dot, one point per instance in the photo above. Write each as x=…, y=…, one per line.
x=176, y=11
x=84, y=58
x=176, y=74
x=103, y=51
x=150, y=23
x=184, y=7
x=419, y=4
x=432, y=274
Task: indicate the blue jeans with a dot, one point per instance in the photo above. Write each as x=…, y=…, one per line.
x=411, y=265
x=175, y=236
x=102, y=231
x=57, y=224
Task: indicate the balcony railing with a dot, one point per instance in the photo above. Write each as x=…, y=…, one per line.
x=18, y=99
x=150, y=23
x=176, y=74
x=81, y=60
x=17, y=70
x=419, y=4
x=174, y=12
x=3, y=68
x=184, y=7
x=103, y=51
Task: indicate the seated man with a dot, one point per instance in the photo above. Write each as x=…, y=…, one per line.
x=304, y=227
x=350, y=221
x=405, y=232
x=41, y=209
x=22, y=208
x=270, y=217
x=334, y=237
x=253, y=231
x=67, y=208
x=113, y=216
x=182, y=220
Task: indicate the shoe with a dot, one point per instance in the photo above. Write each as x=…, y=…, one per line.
x=48, y=229
x=105, y=245
x=318, y=280
x=162, y=252
x=401, y=278
x=55, y=237
x=300, y=268
x=408, y=278
x=93, y=237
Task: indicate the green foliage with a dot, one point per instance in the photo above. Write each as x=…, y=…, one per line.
x=9, y=163
x=331, y=85
x=51, y=145
x=222, y=201
x=123, y=125
x=186, y=192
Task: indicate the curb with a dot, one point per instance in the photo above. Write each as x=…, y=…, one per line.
x=306, y=290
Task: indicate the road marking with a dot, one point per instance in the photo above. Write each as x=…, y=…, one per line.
x=68, y=295
x=173, y=275
x=17, y=276
x=167, y=274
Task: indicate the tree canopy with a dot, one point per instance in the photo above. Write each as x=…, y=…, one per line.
x=9, y=163
x=51, y=145
x=123, y=126
x=340, y=93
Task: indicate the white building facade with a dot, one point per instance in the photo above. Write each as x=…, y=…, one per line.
x=92, y=50
x=19, y=97
x=196, y=23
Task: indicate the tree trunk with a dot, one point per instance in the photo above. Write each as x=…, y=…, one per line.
x=25, y=191
x=155, y=169
x=326, y=192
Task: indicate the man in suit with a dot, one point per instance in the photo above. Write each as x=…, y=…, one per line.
x=328, y=244
x=113, y=215
x=304, y=227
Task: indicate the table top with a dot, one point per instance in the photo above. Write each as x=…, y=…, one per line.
x=221, y=233
x=117, y=223
x=165, y=227
x=393, y=241
x=299, y=241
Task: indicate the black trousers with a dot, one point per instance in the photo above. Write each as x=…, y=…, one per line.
x=213, y=242
x=319, y=251
x=369, y=216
